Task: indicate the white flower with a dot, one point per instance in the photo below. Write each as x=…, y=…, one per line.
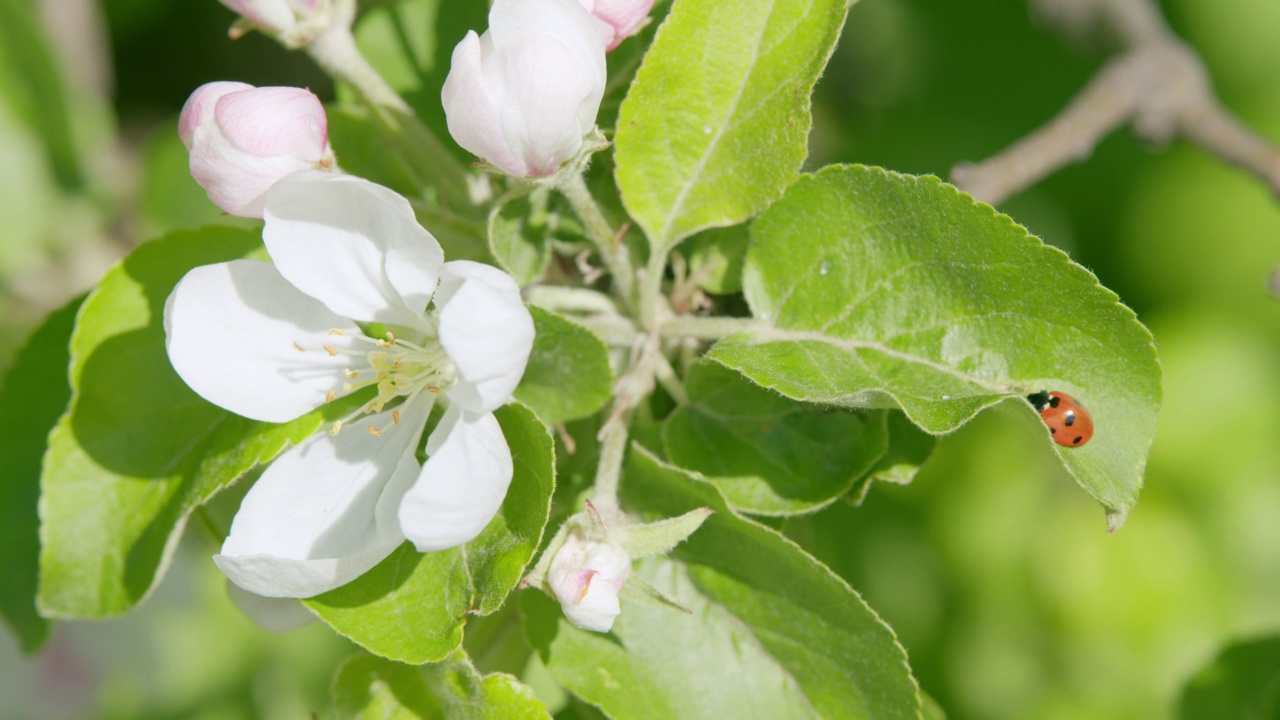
x=271, y=342
x=585, y=576
x=295, y=22
x=525, y=93
x=243, y=139
x=618, y=19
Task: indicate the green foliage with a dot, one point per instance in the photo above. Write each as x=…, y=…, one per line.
x=568, y=376
x=1242, y=682
x=768, y=454
x=772, y=633
x=410, y=43
x=716, y=124
x=412, y=606
x=716, y=256
x=32, y=397
x=909, y=448
x=520, y=234
x=137, y=450
x=881, y=290
x=370, y=687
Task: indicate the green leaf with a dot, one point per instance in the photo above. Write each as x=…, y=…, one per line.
x=880, y=290
x=520, y=234
x=773, y=632
x=716, y=124
x=371, y=687
x=568, y=375
x=137, y=450
x=412, y=606
x=1242, y=682
x=768, y=454
x=909, y=448
x=716, y=257
x=34, y=395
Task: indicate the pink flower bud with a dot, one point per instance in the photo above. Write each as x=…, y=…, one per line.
x=585, y=577
x=525, y=93
x=243, y=139
x=288, y=19
x=618, y=19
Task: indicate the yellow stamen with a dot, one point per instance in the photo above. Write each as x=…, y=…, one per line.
x=337, y=428
x=331, y=396
x=337, y=331
x=434, y=390
x=351, y=373
x=298, y=347
x=333, y=351
x=395, y=416
x=374, y=431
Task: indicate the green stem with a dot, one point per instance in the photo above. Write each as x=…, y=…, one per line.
x=651, y=291
x=616, y=259
x=613, y=447
x=706, y=328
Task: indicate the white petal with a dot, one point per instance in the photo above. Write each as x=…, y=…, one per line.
x=246, y=340
x=470, y=109
x=277, y=615
x=564, y=20
x=236, y=181
x=463, y=482
x=353, y=245
x=549, y=79
x=598, y=607
x=272, y=121
x=199, y=108
x=487, y=332
x=325, y=511
x=542, y=90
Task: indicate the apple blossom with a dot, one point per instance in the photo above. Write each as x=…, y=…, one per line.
x=618, y=19
x=525, y=94
x=585, y=576
x=243, y=139
x=273, y=341
x=294, y=22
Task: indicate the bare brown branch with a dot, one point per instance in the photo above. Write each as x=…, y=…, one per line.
x=1158, y=85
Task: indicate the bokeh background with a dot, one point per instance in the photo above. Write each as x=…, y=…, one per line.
x=995, y=570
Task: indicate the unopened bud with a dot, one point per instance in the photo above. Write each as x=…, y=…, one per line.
x=243, y=139
x=618, y=19
x=585, y=576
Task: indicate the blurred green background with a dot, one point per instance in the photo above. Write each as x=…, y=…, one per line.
x=995, y=570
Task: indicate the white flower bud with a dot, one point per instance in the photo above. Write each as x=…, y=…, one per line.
x=295, y=22
x=525, y=93
x=618, y=19
x=585, y=577
x=243, y=139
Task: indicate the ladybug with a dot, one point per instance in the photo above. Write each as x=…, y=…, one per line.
x=1069, y=423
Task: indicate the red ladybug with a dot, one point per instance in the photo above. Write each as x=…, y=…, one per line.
x=1069, y=423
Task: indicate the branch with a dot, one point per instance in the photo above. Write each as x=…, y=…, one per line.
x=1159, y=85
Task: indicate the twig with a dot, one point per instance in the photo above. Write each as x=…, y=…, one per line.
x=1159, y=85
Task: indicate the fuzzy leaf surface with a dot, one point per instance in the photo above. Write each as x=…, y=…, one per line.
x=876, y=289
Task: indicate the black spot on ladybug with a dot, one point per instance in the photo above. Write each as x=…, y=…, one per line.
x=1070, y=418
x=1054, y=400
x=1077, y=441
x=1053, y=431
